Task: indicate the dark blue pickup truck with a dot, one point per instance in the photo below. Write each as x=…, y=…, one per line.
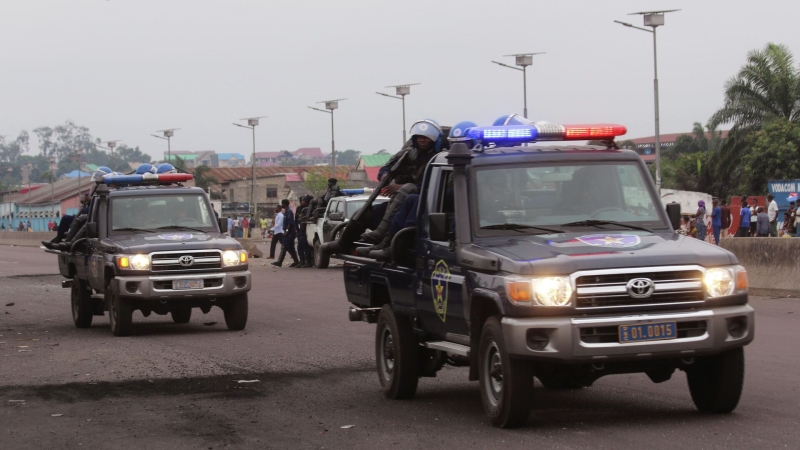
x=554, y=262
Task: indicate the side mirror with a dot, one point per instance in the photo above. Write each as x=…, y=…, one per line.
x=674, y=214
x=438, y=227
x=91, y=230
x=337, y=216
x=223, y=224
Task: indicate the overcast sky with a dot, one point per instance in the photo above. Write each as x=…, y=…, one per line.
x=126, y=68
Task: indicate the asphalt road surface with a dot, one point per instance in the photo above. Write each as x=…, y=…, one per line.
x=177, y=386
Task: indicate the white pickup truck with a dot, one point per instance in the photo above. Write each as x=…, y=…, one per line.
x=339, y=210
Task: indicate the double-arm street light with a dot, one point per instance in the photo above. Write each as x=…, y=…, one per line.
x=523, y=60
x=251, y=125
x=110, y=145
x=167, y=136
x=653, y=19
x=401, y=90
x=330, y=105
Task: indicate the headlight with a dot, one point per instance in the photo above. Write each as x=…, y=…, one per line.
x=722, y=281
x=134, y=262
x=234, y=257
x=549, y=291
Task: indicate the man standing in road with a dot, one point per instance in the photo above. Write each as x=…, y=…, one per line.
x=716, y=219
x=245, y=227
x=726, y=217
x=762, y=223
x=289, y=234
x=744, y=219
x=277, y=231
x=231, y=231
x=772, y=212
x=262, y=227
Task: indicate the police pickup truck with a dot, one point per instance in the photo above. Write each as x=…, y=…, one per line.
x=155, y=246
x=338, y=211
x=558, y=263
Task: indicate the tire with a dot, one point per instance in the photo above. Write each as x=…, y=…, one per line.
x=396, y=350
x=120, y=312
x=181, y=315
x=236, y=312
x=506, y=384
x=81, y=299
x=320, y=261
x=716, y=382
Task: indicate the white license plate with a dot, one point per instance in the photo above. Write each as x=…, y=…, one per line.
x=187, y=284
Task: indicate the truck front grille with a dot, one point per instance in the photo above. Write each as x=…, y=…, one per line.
x=609, y=334
x=610, y=290
x=171, y=261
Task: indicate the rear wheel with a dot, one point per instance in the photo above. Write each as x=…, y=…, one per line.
x=320, y=260
x=236, y=312
x=120, y=312
x=506, y=384
x=396, y=350
x=716, y=382
x=181, y=315
x=81, y=304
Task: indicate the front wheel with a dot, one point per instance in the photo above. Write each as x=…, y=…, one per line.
x=81, y=304
x=506, y=384
x=396, y=350
x=320, y=260
x=716, y=381
x=236, y=312
x=120, y=312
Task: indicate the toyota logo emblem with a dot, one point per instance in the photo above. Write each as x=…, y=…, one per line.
x=186, y=260
x=641, y=287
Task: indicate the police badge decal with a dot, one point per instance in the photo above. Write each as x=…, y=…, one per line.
x=439, y=286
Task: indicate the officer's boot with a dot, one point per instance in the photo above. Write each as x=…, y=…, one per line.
x=75, y=229
x=375, y=236
x=384, y=245
x=344, y=244
x=279, y=261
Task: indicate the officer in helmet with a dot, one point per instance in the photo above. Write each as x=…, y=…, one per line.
x=406, y=216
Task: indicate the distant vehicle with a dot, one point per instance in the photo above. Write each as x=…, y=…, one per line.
x=157, y=248
x=558, y=263
x=339, y=210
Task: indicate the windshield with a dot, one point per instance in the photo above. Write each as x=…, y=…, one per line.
x=160, y=211
x=354, y=205
x=556, y=195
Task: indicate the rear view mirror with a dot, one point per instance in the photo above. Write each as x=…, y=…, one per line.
x=91, y=230
x=438, y=227
x=223, y=224
x=674, y=214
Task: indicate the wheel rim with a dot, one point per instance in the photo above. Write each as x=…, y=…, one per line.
x=75, y=306
x=316, y=253
x=493, y=374
x=387, y=354
x=112, y=311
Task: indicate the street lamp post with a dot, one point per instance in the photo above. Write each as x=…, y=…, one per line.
x=167, y=136
x=26, y=179
x=252, y=122
x=52, y=161
x=653, y=19
x=401, y=90
x=330, y=105
x=523, y=60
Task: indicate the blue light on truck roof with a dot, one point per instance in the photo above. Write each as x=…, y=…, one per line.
x=508, y=133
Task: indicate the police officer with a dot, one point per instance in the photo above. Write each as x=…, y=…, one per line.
x=289, y=234
x=303, y=249
x=333, y=190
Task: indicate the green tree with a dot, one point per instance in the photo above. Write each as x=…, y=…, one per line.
x=774, y=155
x=10, y=151
x=202, y=179
x=348, y=157
x=316, y=182
x=179, y=163
x=690, y=164
x=766, y=88
x=382, y=151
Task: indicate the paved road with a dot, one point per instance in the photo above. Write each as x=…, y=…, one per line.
x=176, y=386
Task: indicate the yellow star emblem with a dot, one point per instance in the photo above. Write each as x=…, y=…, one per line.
x=612, y=240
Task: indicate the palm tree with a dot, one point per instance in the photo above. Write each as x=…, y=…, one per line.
x=202, y=180
x=766, y=88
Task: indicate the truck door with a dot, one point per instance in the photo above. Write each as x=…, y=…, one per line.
x=334, y=216
x=95, y=262
x=441, y=303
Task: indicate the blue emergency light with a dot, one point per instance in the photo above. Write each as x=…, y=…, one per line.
x=543, y=131
x=357, y=191
x=146, y=178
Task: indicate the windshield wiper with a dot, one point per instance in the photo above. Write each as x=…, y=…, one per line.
x=133, y=229
x=519, y=227
x=597, y=223
x=179, y=227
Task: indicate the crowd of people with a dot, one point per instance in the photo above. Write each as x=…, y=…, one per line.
x=24, y=226
x=754, y=220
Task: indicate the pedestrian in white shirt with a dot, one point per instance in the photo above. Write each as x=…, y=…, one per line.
x=772, y=213
x=277, y=231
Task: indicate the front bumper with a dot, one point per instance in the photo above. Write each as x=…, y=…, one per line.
x=159, y=287
x=565, y=342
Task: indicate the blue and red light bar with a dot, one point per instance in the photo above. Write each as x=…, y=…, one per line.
x=517, y=134
x=147, y=178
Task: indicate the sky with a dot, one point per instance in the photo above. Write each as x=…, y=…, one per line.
x=126, y=68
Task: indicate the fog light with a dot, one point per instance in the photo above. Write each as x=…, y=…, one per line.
x=132, y=286
x=737, y=326
x=240, y=282
x=537, y=339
